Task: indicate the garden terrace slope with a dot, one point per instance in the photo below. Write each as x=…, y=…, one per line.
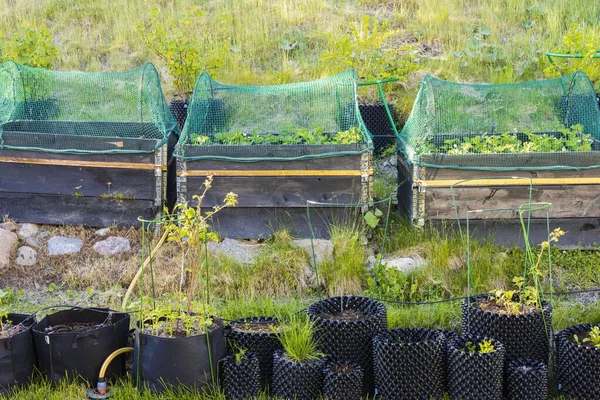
x=83, y=148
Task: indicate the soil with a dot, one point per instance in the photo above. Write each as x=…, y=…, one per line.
x=256, y=327
x=11, y=330
x=491, y=306
x=582, y=336
x=346, y=315
x=74, y=327
x=179, y=330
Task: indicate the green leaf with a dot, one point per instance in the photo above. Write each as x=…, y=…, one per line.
x=371, y=219
x=378, y=212
x=485, y=30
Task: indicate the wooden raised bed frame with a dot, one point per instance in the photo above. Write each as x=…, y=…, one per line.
x=274, y=194
x=95, y=190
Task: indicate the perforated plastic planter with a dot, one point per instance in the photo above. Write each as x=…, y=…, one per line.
x=343, y=381
x=179, y=110
x=294, y=380
x=409, y=363
x=344, y=329
x=449, y=335
x=578, y=366
x=523, y=335
x=263, y=344
x=17, y=354
x=241, y=381
x=475, y=376
x=526, y=380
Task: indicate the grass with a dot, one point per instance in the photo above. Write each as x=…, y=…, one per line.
x=298, y=340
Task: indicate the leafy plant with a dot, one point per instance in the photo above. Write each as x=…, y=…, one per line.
x=239, y=354
x=480, y=49
x=593, y=337
x=297, y=338
x=483, y=347
x=31, y=46
x=351, y=136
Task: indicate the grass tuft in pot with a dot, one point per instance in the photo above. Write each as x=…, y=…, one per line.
x=579, y=361
x=241, y=375
x=298, y=368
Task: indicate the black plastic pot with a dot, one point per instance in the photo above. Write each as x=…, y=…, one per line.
x=79, y=355
x=524, y=336
x=241, y=381
x=526, y=380
x=578, y=366
x=475, y=376
x=349, y=340
x=168, y=363
x=449, y=335
x=342, y=381
x=179, y=109
x=262, y=344
x=294, y=380
x=17, y=354
x=409, y=363
x=378, y=123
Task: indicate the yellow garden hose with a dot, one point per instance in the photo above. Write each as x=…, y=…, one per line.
x=101, y=386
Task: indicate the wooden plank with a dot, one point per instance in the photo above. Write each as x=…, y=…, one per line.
x=77, y=163
x=95, y=182
x=69, y=210
x=448, y=173
x=287, y=152
x=248, y=223
x=514, y=181
x=274, y=173
x=347, y=162
x=278, y=192
x=133, y=158
x=568, y=201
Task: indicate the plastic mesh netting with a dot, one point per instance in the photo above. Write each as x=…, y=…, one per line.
x=77, y=112
x=280, y=122
x=551, y=124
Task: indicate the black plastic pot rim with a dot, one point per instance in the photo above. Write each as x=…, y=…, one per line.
x=475, y=300
x=28, y=328
x=283, y=356
x=366, y=317
x=273, y=320
x=217, y=321
x=98, y=328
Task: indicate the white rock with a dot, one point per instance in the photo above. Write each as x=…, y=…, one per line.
x=26, y=256
x=403, y=264
x=7, y=241
x=242, y=252
x=33, y=242
x=9, y=226
x=323, y=248
x=28, y=230
x=112, y=245
x=102, y=232
x=43, y=235
x=60, y=245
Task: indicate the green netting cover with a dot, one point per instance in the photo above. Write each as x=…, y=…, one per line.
x=82, y=113
x=279, y=122
x=550, y=124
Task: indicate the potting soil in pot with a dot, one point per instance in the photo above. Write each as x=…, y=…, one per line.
x=17, y=352
x=241, y=380
x=296, y=380
x=342, y=381
x=344, y=330
x=525, y=335
x=526, y=380
x=578, y=364
x=73, y=344
x=409, y=363
x=475, y=376
x=259, y=336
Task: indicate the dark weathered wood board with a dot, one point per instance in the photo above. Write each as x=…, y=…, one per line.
x=347, y=162
x=69, y=210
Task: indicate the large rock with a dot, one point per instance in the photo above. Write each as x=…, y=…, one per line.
x=112, y=245
x=242, y=252
x=26, y=256
x=33, y=242
x=403, y=264
x=60, y=245
x=28, y=230
x=7, y=241
x=323, y=248
x=9, y=226
x=102, y=232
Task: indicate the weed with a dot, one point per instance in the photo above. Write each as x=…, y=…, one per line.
x=483, y=347
x=297, y=338
x=593, y=337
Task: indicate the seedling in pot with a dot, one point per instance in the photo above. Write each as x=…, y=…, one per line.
x=483, y=347
x=591, y=339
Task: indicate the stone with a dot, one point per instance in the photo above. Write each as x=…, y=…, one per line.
x=26, y=256
x=60, y=245
x=244, y=253
x=102, y=232
x=33, y=242
x=43, y=235
x=112, y=245
x=403, y=264
x=7, y=241
x=9, y=226
x=323, y=248
x=28, y=230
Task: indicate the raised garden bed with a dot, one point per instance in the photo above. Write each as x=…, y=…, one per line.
x=97, y=159
x=17, y=352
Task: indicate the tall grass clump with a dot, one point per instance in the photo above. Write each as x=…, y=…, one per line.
x=298, y=341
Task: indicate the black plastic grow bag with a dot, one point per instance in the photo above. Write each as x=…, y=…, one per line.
x=526, y=380
x=262, y=344
x=79, y=355
x=241, y=381
x=342, y=381
x=294, y=380
x=525, y=336
x=578, y=366
x=17, y=354
x=475, y=376
x=168, y=363
x=409, y=363
x=349, y=340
